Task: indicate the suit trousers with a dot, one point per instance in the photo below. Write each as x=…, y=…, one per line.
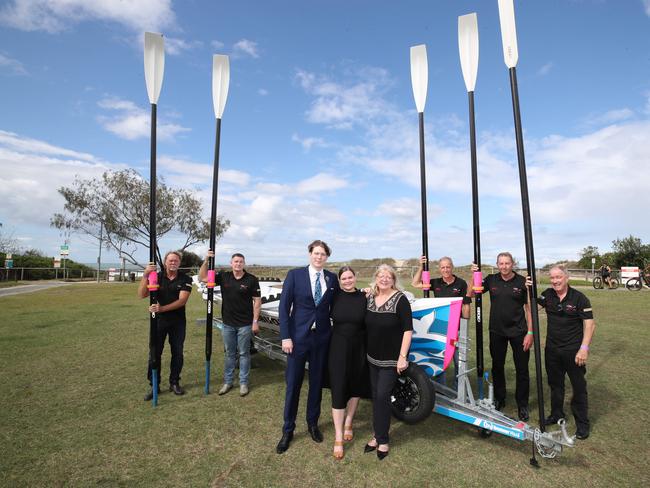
x=561, y=363
x=382, y=381
x=315, y=353
x=498, y=350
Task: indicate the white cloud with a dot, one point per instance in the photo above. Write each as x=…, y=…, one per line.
x=320, y=183
x=245, y=47
x=343, y=105
x=32, y=172
x=12, y=65
x=262, y=92
x=216, y=44
x=175, y=46
x=133, y=122
x=181, y=172
x=610, y=117
x=546, y=69
x=57, y=15
x=308, y=142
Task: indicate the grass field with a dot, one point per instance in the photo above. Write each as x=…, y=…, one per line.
x=73, y=364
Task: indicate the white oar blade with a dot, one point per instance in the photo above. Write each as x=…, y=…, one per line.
x=154, y=64
x=220, y=83
x=508, y=32
x=419, y=75
x=468, y=48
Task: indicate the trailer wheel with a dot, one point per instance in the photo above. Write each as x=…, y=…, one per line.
x=413, y=395
x=484, y=433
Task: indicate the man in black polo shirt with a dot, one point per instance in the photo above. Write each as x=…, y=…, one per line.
x=510, y=323
x=174, y=291
x=568, y=337
x=447, y=286
x=240, y=310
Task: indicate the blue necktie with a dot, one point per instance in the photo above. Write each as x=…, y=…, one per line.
x=318, y=291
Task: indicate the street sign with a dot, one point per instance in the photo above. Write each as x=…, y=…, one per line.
x=65, y=250
x=9, y=255
x=593, y=260
x=9, y=263
x=57, y=263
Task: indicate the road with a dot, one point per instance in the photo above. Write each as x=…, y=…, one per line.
x=16, y=290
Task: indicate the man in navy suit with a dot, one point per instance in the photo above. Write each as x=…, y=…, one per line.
x=305, y=331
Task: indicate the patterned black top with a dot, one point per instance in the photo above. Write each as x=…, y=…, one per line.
x=385, y=327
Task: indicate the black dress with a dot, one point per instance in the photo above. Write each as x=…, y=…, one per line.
x=348, y=368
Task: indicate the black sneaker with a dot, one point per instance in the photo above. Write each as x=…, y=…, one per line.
x=552, y=420
x=149, y=396
x=177, y=389
x=582, y=434
x=523, y=414
x=499, y=404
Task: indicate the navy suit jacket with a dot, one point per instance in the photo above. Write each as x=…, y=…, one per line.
x=298, y=312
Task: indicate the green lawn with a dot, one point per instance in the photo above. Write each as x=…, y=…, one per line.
x=73, y=364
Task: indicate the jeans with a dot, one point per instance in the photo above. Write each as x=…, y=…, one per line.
x=237, y=339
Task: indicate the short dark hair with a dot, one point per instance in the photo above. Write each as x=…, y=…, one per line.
x=346, y=268
x=237, y=255
x=319, y=243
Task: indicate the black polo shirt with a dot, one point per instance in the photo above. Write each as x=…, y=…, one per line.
x=565, y=318
x=456, y=289
x=237, y=297
x=169, y=292
x=507, y=300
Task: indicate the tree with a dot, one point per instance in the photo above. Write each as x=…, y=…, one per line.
x=114, y=209
x=586, y=255
x=630, y=251
x=191, y=260
x=7, y=242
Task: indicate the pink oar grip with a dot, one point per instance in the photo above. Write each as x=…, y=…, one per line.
x=153, y=281
x=211, y=278
x=426, y=280
x=478, y=281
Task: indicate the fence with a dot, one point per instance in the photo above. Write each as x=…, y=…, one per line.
x=405, y=273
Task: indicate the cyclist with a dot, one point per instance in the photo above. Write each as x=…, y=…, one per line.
x=605, y=273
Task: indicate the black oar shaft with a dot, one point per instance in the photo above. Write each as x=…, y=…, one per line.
x=153, y=293
x=477, y=243
x=423, y=199
x=211, y=260
x=528, y=240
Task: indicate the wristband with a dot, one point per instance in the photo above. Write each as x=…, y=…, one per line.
x=584, y=348
x=530, y=332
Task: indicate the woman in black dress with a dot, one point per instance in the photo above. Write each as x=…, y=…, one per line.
x=389, y=326
x=348, y=370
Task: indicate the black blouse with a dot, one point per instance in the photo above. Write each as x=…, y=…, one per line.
x=385, y=328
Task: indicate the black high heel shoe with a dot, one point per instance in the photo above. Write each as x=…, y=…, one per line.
x=382, y=454
x=368, y=448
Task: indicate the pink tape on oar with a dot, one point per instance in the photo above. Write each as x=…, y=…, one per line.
x=153, y=281
x=426, y=280
x=452, y=331
x=478, y=281
x=211, y=279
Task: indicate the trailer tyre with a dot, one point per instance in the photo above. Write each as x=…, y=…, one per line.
x=413, y=395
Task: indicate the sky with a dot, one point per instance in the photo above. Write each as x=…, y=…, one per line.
x=319, y=137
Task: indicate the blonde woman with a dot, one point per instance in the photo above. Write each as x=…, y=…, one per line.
x=389, y=327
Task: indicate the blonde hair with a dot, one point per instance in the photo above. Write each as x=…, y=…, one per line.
x=384, y=268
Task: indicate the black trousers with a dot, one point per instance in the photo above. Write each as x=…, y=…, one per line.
x=561, y=363
x=498, y=350
x=382, y=381
x=176, y=334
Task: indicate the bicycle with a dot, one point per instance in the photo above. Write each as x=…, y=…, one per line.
x=635, y=284
x=598, y=283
